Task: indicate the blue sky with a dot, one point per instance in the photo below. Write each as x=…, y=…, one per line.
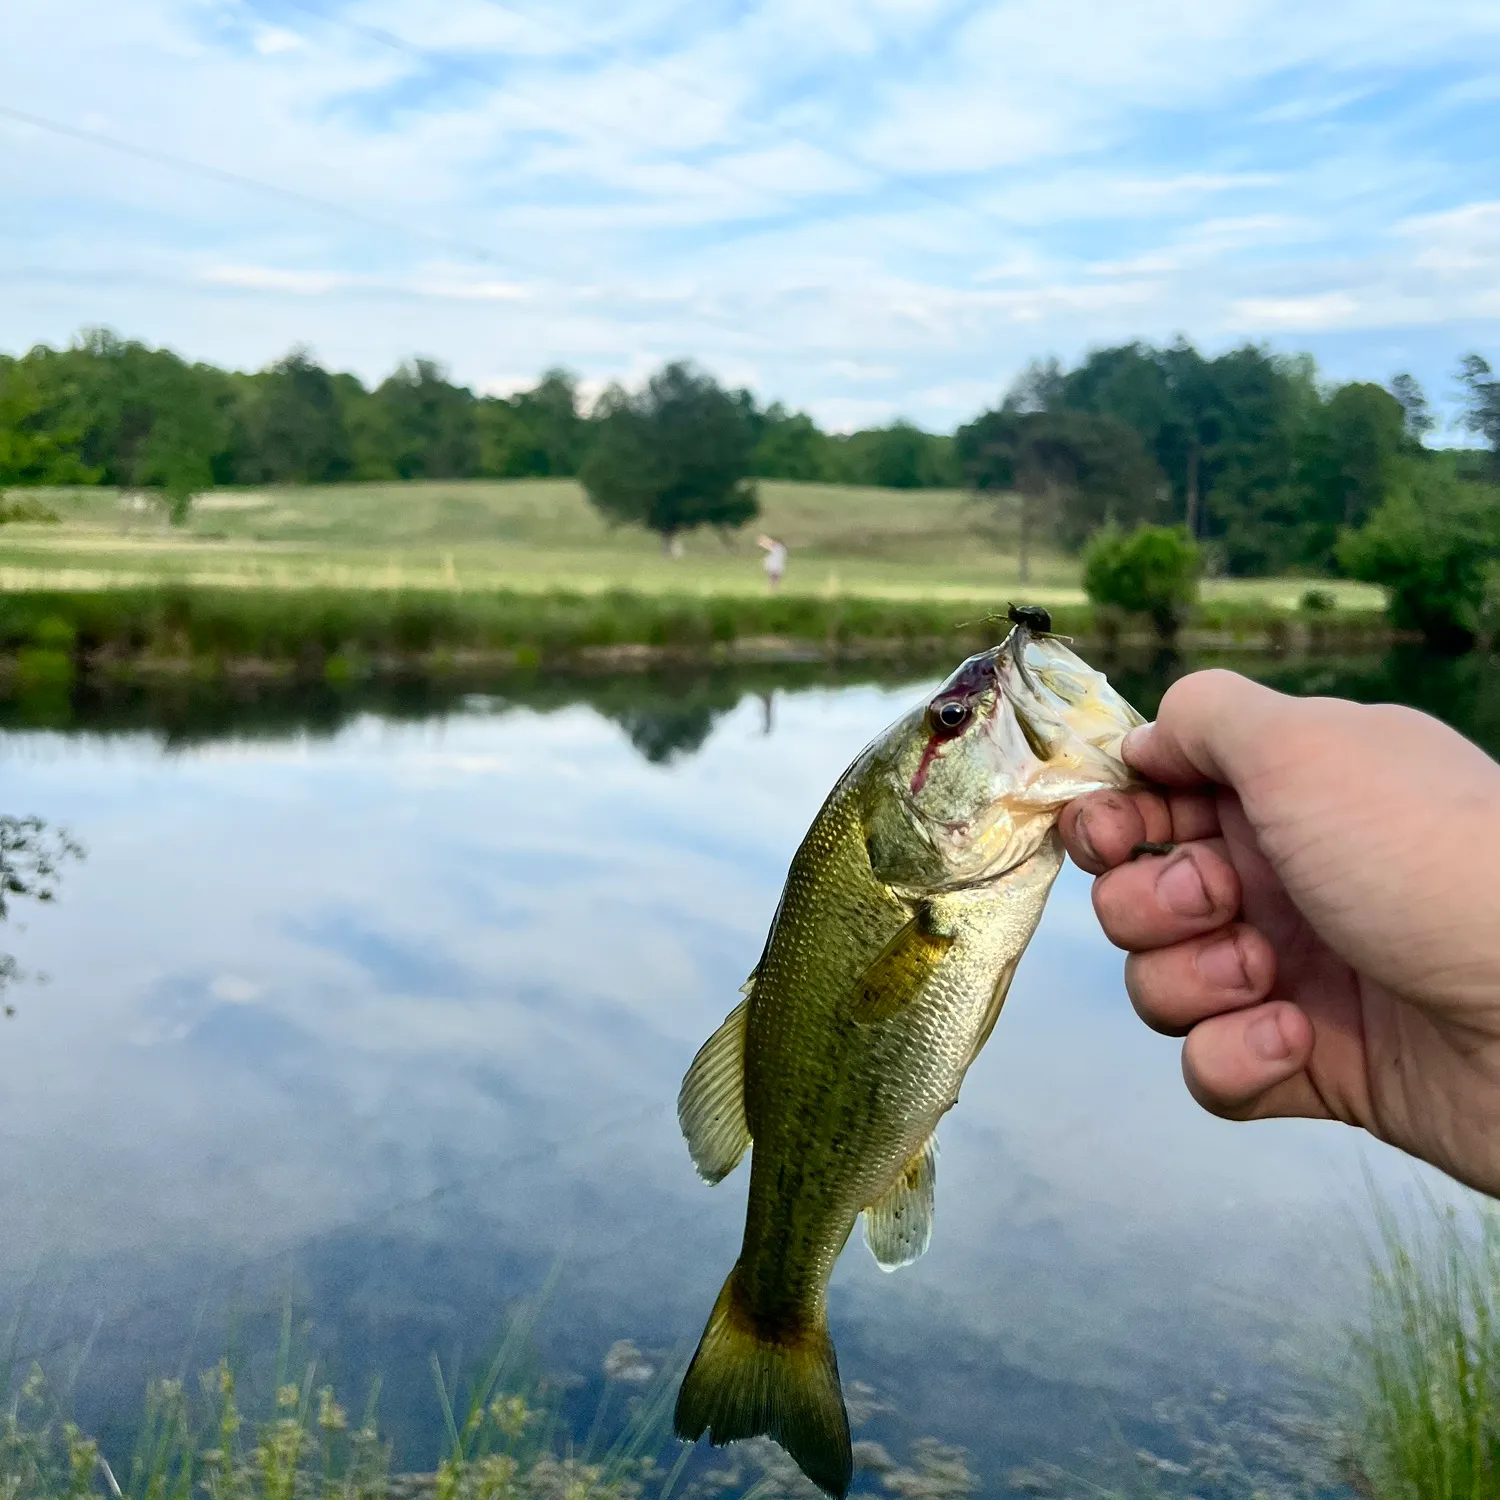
x=863, y=207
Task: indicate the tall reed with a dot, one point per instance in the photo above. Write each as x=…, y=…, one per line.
x=1425, y=1362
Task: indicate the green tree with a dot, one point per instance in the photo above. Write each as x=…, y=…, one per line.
x=364, y=420
x=36, y=445
x=1350, y=457
x=1416, y=411
x=1171, y=399
x=898, y=456
x=790, y=445
x=1430, y=545
x=1153, y=571
x=1481, y=403
x=146, y=419
x=1252, y=503
x=298, y=430
x=673, y=456
x=536, y=433
x=1073, y=471
x=427, y=427
x=1223, y=432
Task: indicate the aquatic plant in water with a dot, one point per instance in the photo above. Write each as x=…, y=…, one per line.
x=202, y=1439
x=1425, y=1372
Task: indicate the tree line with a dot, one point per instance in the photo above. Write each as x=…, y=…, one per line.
x=113, y=411
x=1259, y=462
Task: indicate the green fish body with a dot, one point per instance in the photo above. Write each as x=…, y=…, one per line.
x=905, y=913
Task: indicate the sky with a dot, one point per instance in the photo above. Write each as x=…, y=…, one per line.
x=865, y=208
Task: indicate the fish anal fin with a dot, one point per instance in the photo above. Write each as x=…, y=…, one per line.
x=711, y=1102
x=892, y=980
x=898, y=1224
x=747, y=1381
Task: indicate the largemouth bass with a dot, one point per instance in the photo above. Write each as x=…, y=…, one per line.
x=905, y=912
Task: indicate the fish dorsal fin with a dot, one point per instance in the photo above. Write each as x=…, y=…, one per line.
x=898, y=1224
x=892, y=980
x=711, y=1103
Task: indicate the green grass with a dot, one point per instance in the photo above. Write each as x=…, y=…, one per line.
x=1426, y=1364
x=343, y=635
x=540, y=536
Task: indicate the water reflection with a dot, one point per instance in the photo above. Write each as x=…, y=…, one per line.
x=378, y=1001
x=670, y=714
x=32, y=857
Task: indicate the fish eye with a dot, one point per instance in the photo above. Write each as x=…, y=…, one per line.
x=950, y=717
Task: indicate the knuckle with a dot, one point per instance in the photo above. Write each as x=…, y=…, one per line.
x=1200, y=689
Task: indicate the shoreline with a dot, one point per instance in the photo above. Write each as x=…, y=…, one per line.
x=338, y=636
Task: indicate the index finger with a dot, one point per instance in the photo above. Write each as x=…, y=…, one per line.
x=1207, y=729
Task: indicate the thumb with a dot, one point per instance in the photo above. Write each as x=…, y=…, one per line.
x=1209, y=728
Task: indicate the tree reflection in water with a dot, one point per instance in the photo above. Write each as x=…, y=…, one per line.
x=668, y=715
x=31, y=860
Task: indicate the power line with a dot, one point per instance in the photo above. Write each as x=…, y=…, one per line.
x=293, y=195
x=240, y=180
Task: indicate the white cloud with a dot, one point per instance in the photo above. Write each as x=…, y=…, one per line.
x=1322, y=310
x=853, y=369
x=235, y=989
x=272, y=40
x=272, y=279
x=475, y=291
x=1465, y=239
x=868, y=190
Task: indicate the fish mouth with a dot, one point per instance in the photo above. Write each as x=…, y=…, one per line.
x=1060, y=703
x=1018, y=684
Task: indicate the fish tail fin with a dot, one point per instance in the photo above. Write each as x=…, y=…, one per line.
x=745, y=1381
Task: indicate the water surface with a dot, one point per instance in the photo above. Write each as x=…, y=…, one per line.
x=375, y=1007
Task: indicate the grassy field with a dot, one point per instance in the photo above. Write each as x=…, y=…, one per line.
x=537, y=536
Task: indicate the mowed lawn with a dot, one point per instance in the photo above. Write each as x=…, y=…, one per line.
x=543, y=534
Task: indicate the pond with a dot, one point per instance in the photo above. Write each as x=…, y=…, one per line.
x=370, y=1009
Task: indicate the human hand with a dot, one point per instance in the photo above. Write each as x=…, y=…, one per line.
x=1326, y=935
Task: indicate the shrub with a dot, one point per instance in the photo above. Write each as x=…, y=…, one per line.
x=1430, y=547
x=1152, y=570
x=1317, y=602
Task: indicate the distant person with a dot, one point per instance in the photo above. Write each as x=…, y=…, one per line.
x=767, y=712
x=775, y=560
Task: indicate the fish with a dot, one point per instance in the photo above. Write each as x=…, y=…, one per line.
x=905, y=912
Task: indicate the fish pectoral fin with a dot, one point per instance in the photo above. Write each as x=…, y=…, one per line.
x=711, y=1102
x=898, y=1224
x=903, y=966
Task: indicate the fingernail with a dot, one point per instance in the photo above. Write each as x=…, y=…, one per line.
x=1181, y=890
x=1084, y=839
x=1263, y=1037
x=1134, y=742
x=1221, y=966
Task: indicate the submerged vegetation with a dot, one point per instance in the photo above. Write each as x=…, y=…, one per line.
x=1408, y=1410
x=503, y=1440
